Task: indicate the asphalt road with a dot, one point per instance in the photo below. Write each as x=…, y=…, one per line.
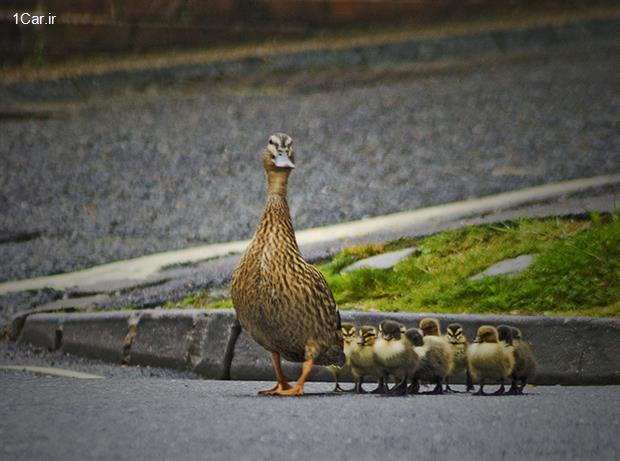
x=151, y=419
x=101, y=179
x=151, y=414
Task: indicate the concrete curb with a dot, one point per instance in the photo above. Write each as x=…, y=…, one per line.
x=570, y=350
x=492, y=42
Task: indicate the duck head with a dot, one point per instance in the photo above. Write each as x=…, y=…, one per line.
x=366, y=335
x=348, y=332
x=430, y=327
x=505, y=333
x=390, y=330
x=415, y=336
x=486, y=334
x=279, y=154
x=455, y=335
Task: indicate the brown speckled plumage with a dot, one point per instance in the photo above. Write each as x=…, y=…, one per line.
x=283, y=302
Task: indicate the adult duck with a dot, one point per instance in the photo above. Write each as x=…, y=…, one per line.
x=283, y=302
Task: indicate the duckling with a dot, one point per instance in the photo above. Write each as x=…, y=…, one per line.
x=431, y=328
x=489, y=359
x=525, y=362
x=363, y=357
x=349, y=338
x=283, y=302
x=394, y=356
x=434, y=360
x=458, y=343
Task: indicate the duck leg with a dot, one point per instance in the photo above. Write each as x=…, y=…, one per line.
x=438, y=390
x=400, y=388
x=299, y=384
x=514, y=389
x=470, y=383
x=381, y=388
x=282, y=382
x=501, y=389
x=481, y=390
x=414, y=387
x=449, y=390
x=358, y=389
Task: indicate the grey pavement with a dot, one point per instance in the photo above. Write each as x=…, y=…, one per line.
x=102, y=179
x=57, y=418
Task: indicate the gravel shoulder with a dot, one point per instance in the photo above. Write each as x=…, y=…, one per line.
x=103, y=180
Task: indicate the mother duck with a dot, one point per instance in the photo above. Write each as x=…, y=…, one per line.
x=283, y=302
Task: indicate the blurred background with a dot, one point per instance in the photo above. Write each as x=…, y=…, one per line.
x=89, y=27
x=132, y=127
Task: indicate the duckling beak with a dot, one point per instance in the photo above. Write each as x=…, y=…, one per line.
x=360, y=341
x=477, y=339
x=452, y=340
x=282, y=160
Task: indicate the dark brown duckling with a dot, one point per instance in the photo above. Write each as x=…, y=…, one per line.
x=525, y=362
x=434, y=363
x=283, y=302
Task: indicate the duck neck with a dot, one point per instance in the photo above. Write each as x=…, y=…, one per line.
x=277, y=182
x=276, y=218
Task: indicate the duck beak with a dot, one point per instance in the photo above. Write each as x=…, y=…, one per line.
x=282, y=160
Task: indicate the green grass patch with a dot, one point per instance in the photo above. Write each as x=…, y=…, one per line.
x=203, y=300
x=577, y=271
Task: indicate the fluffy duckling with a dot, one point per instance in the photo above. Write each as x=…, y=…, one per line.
x=525, y=362
x=489, y=359
x=283, y=302
x=363, y=357
x=434, y=360
x=458, y=344
x=394, y=356
x=349, y=338
x=430, y=327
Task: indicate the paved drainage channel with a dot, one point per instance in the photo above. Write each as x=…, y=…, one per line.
x=210, y=343
x=49, y=371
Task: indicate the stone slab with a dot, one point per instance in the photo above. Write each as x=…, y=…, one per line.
x=382, y=261
x=507, y=267
x=42, y=330
x=99, y=336
x=214, y=332
x=163, y=338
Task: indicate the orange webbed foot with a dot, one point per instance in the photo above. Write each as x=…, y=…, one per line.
x=279, y=387
x=297, y=390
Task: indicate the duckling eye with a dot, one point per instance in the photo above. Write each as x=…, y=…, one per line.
x=271, y=142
